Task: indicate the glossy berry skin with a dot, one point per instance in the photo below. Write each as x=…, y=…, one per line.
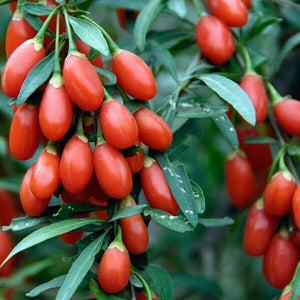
x=101, y=214
x=18, y=32
x=56, y=112
x=287, y=114
x=118, y=124
x=82, y=82
x=248, y=3
x=10, y=211
x=240, y=181
x=5, y=248
x=232, y=12
x=134, y=230
x=113, y=277
x=80, y=197
x=19, y=64
x=32, y=205
x=45, y=174
x=259, y=155
x=156, y=188
x=254, y=87
x=24, y=133
x=280, y=261
x=214, y=39
x=76, y=165
x=112, y=171
x=134, y=75
x=71, y=237
x=136, y=161
x=279, y=193
x=259, y=230
x=296, y=206
x=154, y=131
x=84, y=48
x=13, y=6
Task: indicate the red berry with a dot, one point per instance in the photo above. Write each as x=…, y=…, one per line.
x=5, y=248
x=118, y=124
x=19, y=64
x=85, y=49
x=133, y=75
x=13, y=6
x=240, y=181
x=45, y=174
x=32, y=205
x=113, y=277
x=134, y=230
x=296, y=206
x=254, y=87
x=136, y=161
x=82, y=82
x=156, y=188
x=280, y=261
x=247, y=3
x=278, y=194
x=143, y=296
x=24, y=133
x=287, y=114
x=10, y=211
x=214, y=39
x=233, y=12
x=153, y=130
x=258, y=230
x=76, y=164
x=56, y=110
x=18, y=32
x=112, y=171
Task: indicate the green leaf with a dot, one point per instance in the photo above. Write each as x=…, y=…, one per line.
x=177, y=6
x=144, y=21
x=36, y=77
x=36, y=9
x=199, y=197
x=296, y=281
x=90, y=34
x=294, y=150
x=231, y=93
x=181, y=188
x=49, y=232
x=3, y=145
x=260, y=140
x=52, y=284
x=261, y=26
x=25, y=223
x=79, y=269
x=199, y=111
x=165, y=58
x=135, y=281
x=110, y=78
x=132, y=4
x=99, y=294
x=175, y=223
x=170, y=110
x=128, y=212
x=73, y=208
x=291, y=43
x=11, y=184
x=161, y=281
x=227, y=129
x=226, y=221
x=20, y=274
x=34, y=21
x=134, y=105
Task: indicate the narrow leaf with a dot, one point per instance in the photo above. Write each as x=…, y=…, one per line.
x=90, y=34
x=291, y=43
x=25, y=223
x=199, y=197
x=72, y=208
x=36, y=9
x=161, y=281
x=198, y=111
x=99, y=294
x=175, y=223
x=181, y=187
x=144, y=21
x=49, y=232
x=216, y=222
x=128, y=212
x=260, y=140
x=177, y=6
x=110, y=78
x=132, y=4
x=296, y=281
x=227, y=129
x=79, y=269
x=231, y=93
x=36, y=77
x=52, y=284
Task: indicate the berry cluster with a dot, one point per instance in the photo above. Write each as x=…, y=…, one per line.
x=75, y=105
